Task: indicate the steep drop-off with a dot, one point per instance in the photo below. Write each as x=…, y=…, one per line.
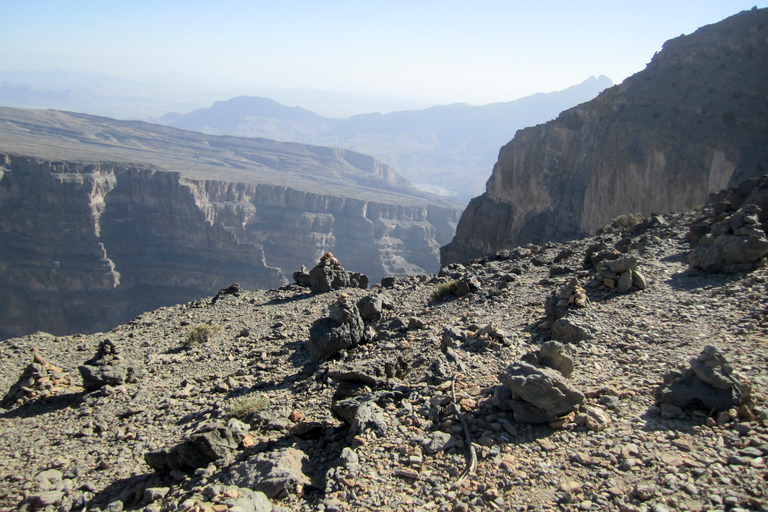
x=693, y=122
x=87, y=245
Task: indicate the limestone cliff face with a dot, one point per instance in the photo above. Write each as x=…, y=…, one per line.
x=693, y=122
x=84, y=247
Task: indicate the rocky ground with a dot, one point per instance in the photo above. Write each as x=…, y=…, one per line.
x=402, y=445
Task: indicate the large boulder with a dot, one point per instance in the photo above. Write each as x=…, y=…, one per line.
x=329, y=275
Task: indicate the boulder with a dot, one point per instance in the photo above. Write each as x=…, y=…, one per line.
x=553, y=355
x=330, y=335
x=325, y=279
x=371, y=307
x=329, y=275
x=572, y=328
x=199, y=450
x=544, y=389
x=276, y=473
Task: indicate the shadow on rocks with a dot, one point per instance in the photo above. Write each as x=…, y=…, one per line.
x=129, y=492
x=692, y=279
x=44, y=405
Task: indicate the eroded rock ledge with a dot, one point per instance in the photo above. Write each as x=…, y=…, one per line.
x=84, y=247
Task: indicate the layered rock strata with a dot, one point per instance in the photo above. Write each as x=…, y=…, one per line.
x=692, y=123
x=86, y=246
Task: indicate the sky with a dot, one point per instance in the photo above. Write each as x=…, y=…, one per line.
x=428, y=51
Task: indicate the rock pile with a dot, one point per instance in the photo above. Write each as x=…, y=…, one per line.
x=709, y=384
x=616, y=272
x=39, y=379
x=734, y=244
x=329, y=275
x=108, y=368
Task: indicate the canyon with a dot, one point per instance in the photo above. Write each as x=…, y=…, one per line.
x=695, y=121
x=89, y=240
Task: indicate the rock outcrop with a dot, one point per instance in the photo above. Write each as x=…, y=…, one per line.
x=692, y=123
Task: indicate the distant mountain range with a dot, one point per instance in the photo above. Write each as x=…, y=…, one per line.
x=448, y=149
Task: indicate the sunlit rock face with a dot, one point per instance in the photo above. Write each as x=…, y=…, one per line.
x=85, y=247
x=693, y=122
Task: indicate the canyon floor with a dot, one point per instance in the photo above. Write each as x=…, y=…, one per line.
x=70, y=449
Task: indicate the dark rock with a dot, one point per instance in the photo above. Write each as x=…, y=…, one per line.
x=327, y=336
x=198, y=451
x=388, y=281
x=709, y=383
x=573, y=328
x=371, y=307
x=233, y=289
x=302, y=277
x=276, y=473
x=108, y=369
x=325, y=279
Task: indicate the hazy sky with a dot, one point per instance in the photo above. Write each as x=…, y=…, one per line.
x=444, y=51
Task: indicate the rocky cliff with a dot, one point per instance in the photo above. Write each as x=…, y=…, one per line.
x=693, y=122
x=86, y=245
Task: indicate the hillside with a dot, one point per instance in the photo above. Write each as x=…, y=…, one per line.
x=103, y=219
x=375, y=427
x=448, y=147
x=693, y=122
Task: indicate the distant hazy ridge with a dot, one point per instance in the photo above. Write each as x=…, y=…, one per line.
x=449, y=147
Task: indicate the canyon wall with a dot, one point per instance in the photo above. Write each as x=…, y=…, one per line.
x=693, y=122
x=87, y=246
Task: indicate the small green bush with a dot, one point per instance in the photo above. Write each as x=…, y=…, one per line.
x=243, y=406
x=202, y=333
x=443, y=290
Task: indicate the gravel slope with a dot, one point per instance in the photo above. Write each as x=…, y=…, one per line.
x=95, y=442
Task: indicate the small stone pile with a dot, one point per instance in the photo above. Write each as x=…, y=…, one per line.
x=619, y=274
x=709, y=384
x=39, y=379
x=329, y=275
x=572, y=293
x=108, y=368
x=341, y=329
x=734, y=244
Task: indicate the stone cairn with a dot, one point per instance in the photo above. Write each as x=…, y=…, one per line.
x=615, y=272
x=40, y=379
x=329, y=275
x=710, y=385
x=734, y=244
x=572, y=293
x=108, y=368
